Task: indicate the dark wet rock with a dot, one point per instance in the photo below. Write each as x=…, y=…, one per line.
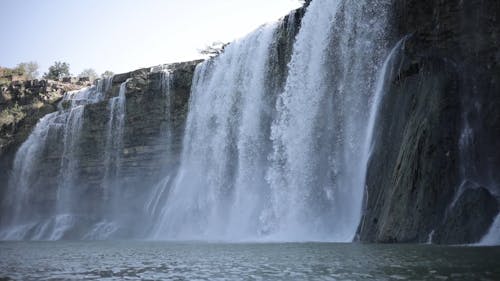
x=413, y=169
x=469, y=218
x=449, y=79
x=283, y=47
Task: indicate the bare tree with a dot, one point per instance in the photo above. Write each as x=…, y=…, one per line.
x=29, y=69
x=107, y=74
x=90, y=73
x=214, y=49
x=305, y=2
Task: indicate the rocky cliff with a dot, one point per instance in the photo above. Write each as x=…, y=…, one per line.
x=433, y=174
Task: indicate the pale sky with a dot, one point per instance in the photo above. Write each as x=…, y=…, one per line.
x=123, y=35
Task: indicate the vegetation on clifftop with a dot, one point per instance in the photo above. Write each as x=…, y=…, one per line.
x=23, y=71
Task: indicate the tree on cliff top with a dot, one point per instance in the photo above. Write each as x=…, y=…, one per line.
x=57, y=71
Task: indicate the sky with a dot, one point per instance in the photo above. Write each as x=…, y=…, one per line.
x=123, y=35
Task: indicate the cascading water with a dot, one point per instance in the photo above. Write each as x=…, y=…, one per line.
x=30, y=220
x=493, y=235
x=291, y=168
x=108, y=224
x=153, y=204
x=114, y=138
x=203, y=189
x=321, y=127
x=389, y=68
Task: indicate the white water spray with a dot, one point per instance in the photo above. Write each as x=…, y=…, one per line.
x=292, y=169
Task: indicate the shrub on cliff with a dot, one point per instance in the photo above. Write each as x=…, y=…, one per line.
x=11, y=115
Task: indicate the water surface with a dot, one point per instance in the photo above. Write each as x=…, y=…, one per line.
x=141, y=260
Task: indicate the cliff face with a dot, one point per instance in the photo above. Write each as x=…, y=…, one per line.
x=436, y=148
x=151, y=111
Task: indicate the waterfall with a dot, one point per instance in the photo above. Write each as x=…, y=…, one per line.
x=152, y=206
x=71, y=136
x=167, y=130
x=322, y=123
x=225, y=118
x=294, y=159
x=493, y=236
x=388, y=70
x=26, y=161
x=291, y=166
x=29, y=220
x=114, y=139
